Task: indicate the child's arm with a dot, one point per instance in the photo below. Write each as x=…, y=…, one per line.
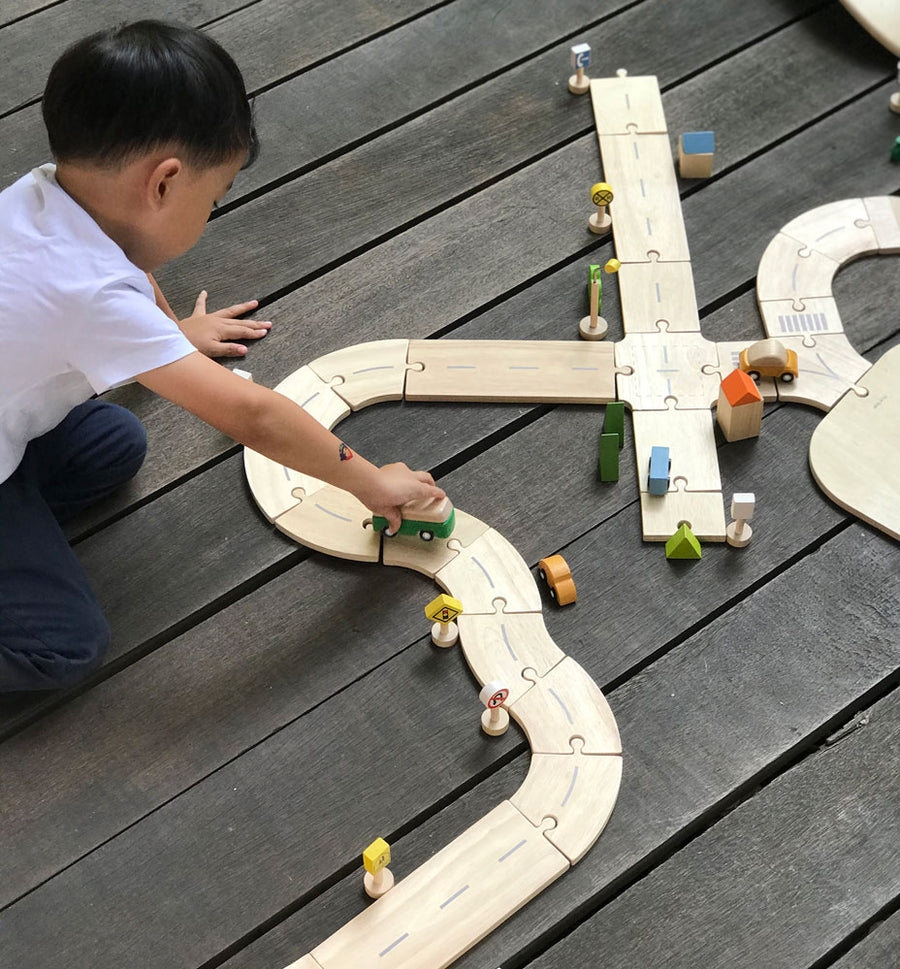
x=161, y=300
x=209, y=331
x=272, y=424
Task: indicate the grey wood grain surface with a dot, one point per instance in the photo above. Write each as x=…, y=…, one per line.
x=824, y=836
x=204, y=800
x=878, y=949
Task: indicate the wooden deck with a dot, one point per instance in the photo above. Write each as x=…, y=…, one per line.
x=265, y=711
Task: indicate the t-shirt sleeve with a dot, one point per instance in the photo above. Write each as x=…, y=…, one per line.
x=124, y=333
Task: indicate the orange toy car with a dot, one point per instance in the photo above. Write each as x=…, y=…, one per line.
x=769, y=358
x=556, y=573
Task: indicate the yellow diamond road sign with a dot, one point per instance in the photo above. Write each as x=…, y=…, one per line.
x=443, y=609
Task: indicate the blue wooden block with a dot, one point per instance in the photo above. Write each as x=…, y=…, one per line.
x=658, y=479
x=698, y=142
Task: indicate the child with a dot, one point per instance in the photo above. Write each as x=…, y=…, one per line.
x=148, y=124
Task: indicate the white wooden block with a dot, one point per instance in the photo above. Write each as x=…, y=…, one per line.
x=370, y=372
x=826, y=371
x=743, y=504
x=578, y=790
x=646, y=212
x=272, y=484
x=502, y=645
x=564, y=704
x=883, y=213
x=691, y=439
x=455, y=899
x=784, y=274
x=832, y=229
x=854, y=452
x=819, y=314
x=703, y=511
x=487, y=570
x=627, y=105
x=410, y=552
x=667, y=365
x=332, y=521
x=548, y=371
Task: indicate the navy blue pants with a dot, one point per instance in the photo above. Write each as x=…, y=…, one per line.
x=52, y=631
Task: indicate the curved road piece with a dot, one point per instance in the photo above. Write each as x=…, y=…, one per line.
x=458, y=896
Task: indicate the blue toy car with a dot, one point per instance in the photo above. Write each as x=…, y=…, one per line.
x=660, y=465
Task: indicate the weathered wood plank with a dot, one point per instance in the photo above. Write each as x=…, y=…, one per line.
x=781, y=881
x=273, y=39
x=234, y=849
x=26, y=56
x=15, y=9
x=458, y=146
x=367, y=90
x=878, y=950
x=268, y=39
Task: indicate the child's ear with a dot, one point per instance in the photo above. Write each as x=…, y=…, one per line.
x=162, y=180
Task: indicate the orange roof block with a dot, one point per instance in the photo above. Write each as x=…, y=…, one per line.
x=739, y=388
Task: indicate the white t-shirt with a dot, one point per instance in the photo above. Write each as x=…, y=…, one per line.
x=76, y=316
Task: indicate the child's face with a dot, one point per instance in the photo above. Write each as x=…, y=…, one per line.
x=191, y=199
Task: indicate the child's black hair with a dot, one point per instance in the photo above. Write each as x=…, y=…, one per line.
x=141, y=86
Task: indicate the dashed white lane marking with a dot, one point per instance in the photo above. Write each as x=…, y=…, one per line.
x=508, y=644
x=333, y=514
x=512, y=850
x=393, y=945
x=487, y=574
x=454, y=896
x=555, y=696
x=571, y=787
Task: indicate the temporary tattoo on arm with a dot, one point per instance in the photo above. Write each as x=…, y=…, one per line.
x=345, y=452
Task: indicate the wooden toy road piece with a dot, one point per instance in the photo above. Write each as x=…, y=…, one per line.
x=672, y=382
x=443, y=908
x=880, y=18
x=675, y=371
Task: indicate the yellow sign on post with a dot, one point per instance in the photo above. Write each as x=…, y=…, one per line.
x=443, y=609
x=376, y=856
x=378, y=878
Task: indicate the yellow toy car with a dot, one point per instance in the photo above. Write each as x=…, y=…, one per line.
x=769, y=358
x=556, y=573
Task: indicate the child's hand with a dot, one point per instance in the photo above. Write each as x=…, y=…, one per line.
x=210, y=331
x=395, y=485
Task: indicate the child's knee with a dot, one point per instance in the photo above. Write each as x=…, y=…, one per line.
x=55, y=658
x=129, y=443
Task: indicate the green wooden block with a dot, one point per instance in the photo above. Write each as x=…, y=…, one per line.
x=614, y=420
x=609, y=457
x=683, y=545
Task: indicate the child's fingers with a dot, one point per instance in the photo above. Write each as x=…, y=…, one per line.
x=230, y=350
x=251, y=330
x=200, y=304
x=238, y=309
